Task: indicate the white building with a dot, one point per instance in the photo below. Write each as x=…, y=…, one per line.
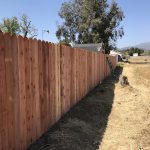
x=116, y=54
x=135, y=54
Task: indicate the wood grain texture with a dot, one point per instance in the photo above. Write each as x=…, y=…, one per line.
x=39, y=83
x=3, y=97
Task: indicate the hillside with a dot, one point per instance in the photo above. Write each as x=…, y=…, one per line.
x=145, y=46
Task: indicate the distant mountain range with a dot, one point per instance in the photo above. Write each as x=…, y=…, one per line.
x=145, y=46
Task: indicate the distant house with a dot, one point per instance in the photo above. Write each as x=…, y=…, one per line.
x=135, y=54
x=90, y=47
x=117, y=54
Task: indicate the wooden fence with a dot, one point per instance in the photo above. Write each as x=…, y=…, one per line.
x=39, y=82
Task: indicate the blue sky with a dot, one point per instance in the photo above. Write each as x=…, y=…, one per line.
x=136, y=23
x=44, y=15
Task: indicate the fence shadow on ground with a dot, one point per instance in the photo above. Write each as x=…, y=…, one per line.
x=83, y=127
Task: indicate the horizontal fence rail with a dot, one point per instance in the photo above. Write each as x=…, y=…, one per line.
x=40, y=82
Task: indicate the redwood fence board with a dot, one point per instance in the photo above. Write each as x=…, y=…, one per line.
x=3, y=99
x=39, y=83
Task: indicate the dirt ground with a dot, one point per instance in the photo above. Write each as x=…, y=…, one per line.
x=110, y=117
x=129, y=122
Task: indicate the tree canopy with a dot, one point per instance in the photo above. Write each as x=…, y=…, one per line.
x=17, y=26
x=26, y=27
x=66, y=43
x=132, y=50
x=90, y=21
x=10, y=25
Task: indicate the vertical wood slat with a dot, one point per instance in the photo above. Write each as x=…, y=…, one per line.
x=73, y=77
x=3, y=100
x=32, y=91
x=28, y=91
x=102, y=70
x=41, y=82
x=62, y=71
x=22, y=93
x=52, y=84
x=9, y=65
x=35, y=85
x=15, y=75
x=45, y=83
x=41, y=98
x=57, y=83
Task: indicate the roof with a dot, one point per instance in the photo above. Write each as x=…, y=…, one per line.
x=112, y=52
x=91, y=47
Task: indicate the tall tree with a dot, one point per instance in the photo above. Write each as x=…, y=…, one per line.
x=27, y=29
x=10, y=25
x=90, y=21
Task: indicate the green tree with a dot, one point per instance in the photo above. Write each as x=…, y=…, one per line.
x=63, y=42
x=17, y=26
x=132, y=50
x=88, y=21
x=147, y=52
x=10, y=25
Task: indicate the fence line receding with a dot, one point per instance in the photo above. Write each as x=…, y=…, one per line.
x=39, y=82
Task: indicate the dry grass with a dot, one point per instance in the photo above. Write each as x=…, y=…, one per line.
x=143, y=74
x=129, y=122
x=142, y=59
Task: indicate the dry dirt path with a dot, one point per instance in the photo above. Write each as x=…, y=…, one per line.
x=128, y=127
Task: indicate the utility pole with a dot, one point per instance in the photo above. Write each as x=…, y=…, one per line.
x=44, y=31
